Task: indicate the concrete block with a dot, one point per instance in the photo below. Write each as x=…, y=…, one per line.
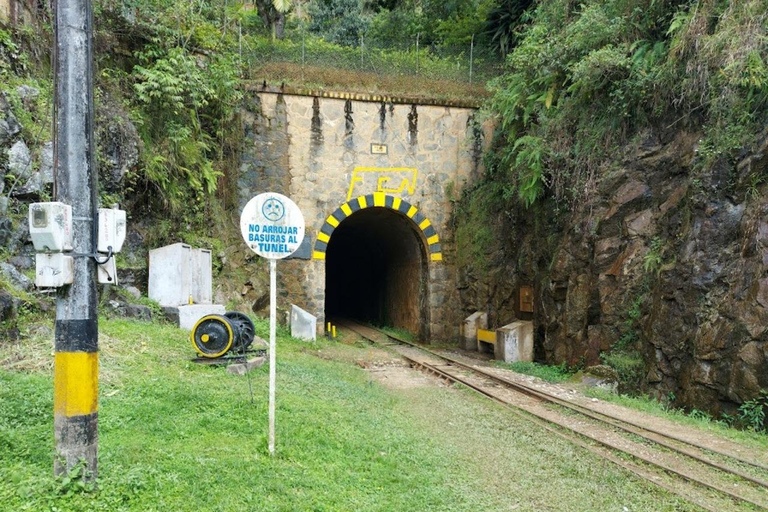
x=178, y=272
x=243, y=368
x=514, y=342
x=201, y=266
x=472, y=323
x=190, y=314
x=303, y=324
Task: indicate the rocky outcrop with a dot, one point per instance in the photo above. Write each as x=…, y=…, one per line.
x=665, y=259
x=9, y=126
x=118, y=143
x=26, y=175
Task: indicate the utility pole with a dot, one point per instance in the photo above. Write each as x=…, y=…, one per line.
x=76, y=370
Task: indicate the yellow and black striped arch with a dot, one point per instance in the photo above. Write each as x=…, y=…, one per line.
x=378, y=200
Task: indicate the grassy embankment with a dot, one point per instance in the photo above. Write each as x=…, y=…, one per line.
x=178, y=436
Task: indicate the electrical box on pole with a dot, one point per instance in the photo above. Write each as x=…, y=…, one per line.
x=50, y=227
x=112, y=230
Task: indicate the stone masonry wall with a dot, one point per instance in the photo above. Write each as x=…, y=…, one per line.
x=308, y=149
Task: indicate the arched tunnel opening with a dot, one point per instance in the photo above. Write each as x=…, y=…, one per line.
x=376, y=271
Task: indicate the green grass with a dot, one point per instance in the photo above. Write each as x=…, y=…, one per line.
x=399, y=333
x=178, y=436
x=542, y=371
x=696, y=419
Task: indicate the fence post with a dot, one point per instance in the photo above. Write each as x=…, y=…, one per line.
x=362, y=50
x=471, y=55
x=240, y=45
x=417, y=53
x=303, y=36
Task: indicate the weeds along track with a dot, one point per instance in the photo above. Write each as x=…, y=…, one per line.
x=716, y=479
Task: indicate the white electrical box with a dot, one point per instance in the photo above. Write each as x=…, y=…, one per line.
x=107, y=272
x=53, y=270
x=50, y=226
x=112, y=229
x=179, y=274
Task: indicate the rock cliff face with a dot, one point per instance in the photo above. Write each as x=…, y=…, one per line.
x=663, y=260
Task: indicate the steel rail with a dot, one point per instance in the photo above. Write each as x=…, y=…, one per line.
x=683, y=474
x=613, y=420
x=608, y=419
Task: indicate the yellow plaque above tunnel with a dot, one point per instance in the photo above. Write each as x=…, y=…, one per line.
x=379, y=200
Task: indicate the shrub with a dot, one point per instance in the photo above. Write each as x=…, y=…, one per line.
x=629, y=365
x=584, y=77
x=752, y=413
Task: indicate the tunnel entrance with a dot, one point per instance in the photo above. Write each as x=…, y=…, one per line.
x=376, y=271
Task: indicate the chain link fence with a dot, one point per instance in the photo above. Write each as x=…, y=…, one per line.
x=303, y=59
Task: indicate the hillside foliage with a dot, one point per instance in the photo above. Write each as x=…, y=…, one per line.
x=584, y=78
x=580, y=80
x=181, y=67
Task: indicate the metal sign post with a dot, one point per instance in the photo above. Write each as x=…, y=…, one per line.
x=272, y=227
x=272, y=350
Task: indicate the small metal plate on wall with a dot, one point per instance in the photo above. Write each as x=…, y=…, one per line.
x=379, y=149
x=526, y=299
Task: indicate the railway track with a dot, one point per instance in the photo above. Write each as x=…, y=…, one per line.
x=716, y=479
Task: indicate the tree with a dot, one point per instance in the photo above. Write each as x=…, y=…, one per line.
x=273, y=13
x=503, y=22
x=338, y=21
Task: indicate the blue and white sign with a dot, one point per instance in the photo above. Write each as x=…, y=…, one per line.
x=272, y=225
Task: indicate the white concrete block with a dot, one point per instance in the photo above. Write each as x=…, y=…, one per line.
x=202, y=276
x=472, y=323
x=178, y=273
x=243, y=368
x=303, y=324
x=514, y=342
x=190, y=314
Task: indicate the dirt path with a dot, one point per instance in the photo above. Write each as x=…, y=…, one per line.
x=386, y=367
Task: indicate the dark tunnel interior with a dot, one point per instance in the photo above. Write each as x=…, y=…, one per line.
x=376, y=271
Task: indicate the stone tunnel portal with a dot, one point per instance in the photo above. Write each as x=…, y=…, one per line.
x=376, y=271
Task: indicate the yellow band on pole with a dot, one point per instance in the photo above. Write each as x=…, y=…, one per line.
x=76, y=383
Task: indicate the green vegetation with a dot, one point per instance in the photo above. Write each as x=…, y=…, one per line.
x=752, y=414
x=179, y=436
x=475, y=222
x=695, y=418
x=181, y=84
x=646, y=64
x=629, y=366
x=312, y=52
x=653, y=259
x=400, y=333
x=625, y=356
x=545, y=372
x=34, y=112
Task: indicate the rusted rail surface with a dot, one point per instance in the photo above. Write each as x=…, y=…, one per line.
x=594, y=444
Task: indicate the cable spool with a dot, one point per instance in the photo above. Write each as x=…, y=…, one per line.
x=244, y=330
x=215, y=335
